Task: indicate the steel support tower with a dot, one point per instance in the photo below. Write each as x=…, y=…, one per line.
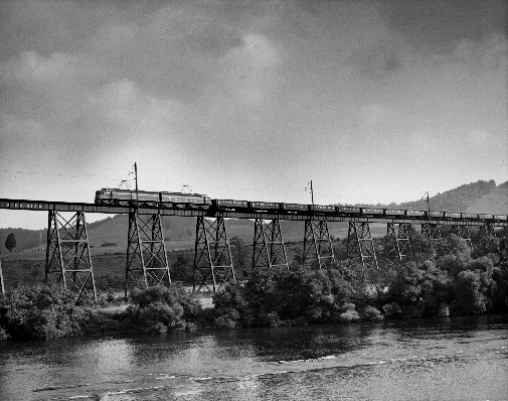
x=398, y=245
x=147, y=261
x=431, y=231
x=268, y=249
x=360, y=246
x=463, y=233
x=213, y=265
x=317, y=245
x=68, y=254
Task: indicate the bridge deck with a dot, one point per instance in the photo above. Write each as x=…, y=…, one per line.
x=40, y=205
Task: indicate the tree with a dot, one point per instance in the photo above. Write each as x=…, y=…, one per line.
x=10, y=242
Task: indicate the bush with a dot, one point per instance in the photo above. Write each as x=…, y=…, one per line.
x=372, y=314
x=392, y=311
x=468, y=295
x=349, y=316
x=45, y=312
x=3, y=334
x=160, y=309
x=227, y=318
x=106, y=244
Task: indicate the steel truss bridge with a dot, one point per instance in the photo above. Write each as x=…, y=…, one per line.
x=69, y=260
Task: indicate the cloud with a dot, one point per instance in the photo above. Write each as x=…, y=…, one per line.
x=251, y=71
x=32, y=68
x=384, y=57
x=438, y=26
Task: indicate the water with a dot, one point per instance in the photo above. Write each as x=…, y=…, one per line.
x=446, y=359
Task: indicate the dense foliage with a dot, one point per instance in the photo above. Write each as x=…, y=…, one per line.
x=49, y=312
x=161, y=309
x=39, y=312
x=438, y=278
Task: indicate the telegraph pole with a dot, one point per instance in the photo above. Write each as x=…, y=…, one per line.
x=2, y=287
x=428, y=204
x=136, y=178
x=312, y=193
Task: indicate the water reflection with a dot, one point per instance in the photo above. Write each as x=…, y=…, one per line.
x=386, y=361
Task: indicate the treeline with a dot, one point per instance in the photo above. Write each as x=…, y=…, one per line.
x=439, y=278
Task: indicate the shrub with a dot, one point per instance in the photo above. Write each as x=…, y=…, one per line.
x=160, y=309
x=231, y=308
x=349, y=316
x=3, y=334
x=468, y=295
x=227, y=318
x=392, y=311
x=41, y=312
x=372, y=314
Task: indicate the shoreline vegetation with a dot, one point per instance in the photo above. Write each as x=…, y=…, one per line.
x=439, y=278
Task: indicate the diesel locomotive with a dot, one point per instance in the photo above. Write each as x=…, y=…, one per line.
x=126, y=197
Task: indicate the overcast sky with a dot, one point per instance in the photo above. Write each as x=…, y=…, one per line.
x=375, y=101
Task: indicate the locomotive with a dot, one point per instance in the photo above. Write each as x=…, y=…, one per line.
x=124, y=197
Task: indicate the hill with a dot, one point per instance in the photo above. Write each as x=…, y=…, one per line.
x=480, y=197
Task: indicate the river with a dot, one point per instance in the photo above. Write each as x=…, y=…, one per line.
x=444, y=359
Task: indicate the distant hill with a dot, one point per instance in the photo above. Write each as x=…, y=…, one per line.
x=481, y=197
x=110, y=235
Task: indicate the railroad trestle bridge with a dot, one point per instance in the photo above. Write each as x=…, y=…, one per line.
x=69, y=260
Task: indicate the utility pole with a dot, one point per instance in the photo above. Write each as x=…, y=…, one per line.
x=311, y=192
x=136, y=178
x=2, y=287
x=428, y=204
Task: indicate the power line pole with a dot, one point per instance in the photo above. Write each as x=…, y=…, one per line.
x=428, y=203
x=2, y=287
x=136, y=178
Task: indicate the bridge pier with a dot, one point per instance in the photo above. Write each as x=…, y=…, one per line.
x=213, y=264
x=431, y=231
x=146, y=252
x=360, y=246
x=397, y=242
x=269, y=250
x=317, y=245
x=68, y=253
x=463, y=233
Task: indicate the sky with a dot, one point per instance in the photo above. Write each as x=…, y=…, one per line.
x=374, y=101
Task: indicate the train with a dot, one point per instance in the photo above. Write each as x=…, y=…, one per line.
x=180, y=200
x=126, y=197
